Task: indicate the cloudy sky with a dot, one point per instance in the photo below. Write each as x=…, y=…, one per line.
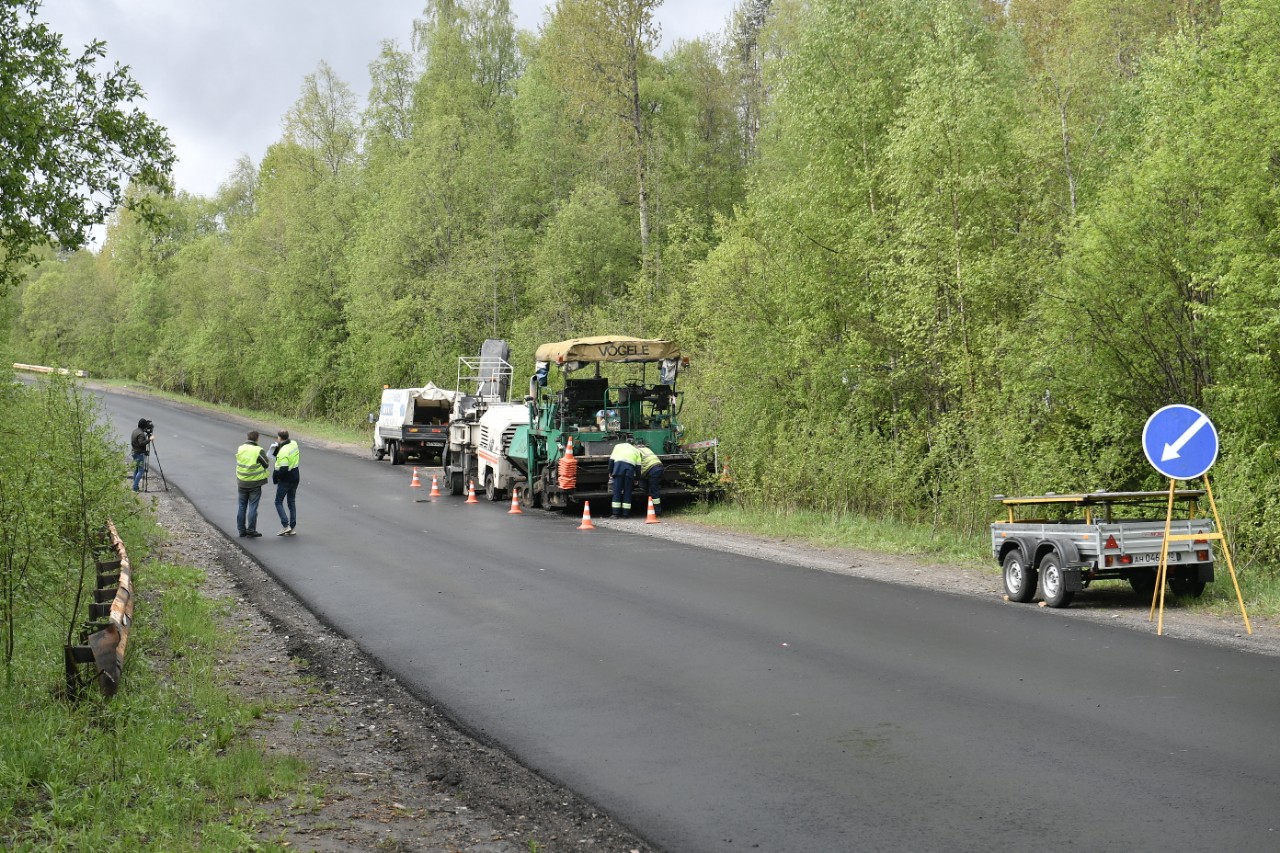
x=221, y=74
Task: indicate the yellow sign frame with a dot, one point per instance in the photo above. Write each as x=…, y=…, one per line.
x=1162, y=573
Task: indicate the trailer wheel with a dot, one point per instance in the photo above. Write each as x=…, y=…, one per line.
x=1019, y=578
x=1053, y=583
x=1143, y=582
x=1186, y=587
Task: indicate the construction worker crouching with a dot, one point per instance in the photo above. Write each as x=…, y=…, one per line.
x=624, y=462
x=651, y=468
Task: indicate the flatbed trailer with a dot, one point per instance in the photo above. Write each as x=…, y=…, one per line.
x=1064, y=542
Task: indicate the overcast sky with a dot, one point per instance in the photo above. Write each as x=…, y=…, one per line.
x=221, y=74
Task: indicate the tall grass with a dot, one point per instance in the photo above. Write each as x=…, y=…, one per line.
x=165, y=764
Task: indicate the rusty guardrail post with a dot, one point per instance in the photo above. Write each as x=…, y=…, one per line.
x=106, y=633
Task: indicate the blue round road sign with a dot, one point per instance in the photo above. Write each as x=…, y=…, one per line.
x=1180, y=442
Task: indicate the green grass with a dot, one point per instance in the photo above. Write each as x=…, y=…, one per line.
x=842, y=531
x=165, y=765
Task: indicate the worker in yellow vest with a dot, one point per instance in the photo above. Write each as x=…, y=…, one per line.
x=624, y=462
x=651, y=469
x=286, y=477
x=251, y=472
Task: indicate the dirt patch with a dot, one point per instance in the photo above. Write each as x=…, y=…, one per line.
x=391, y=772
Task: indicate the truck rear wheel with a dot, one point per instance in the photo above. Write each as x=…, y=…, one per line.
x=491, y=491
x=397, y=453
x=1054, y=583
x=1019, y=578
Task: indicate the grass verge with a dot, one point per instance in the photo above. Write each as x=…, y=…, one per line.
x=164, y=765
x=830, y=530
x=1261, y=590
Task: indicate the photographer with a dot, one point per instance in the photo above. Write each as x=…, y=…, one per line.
x=140, y=442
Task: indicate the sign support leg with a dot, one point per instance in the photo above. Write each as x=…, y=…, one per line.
x=1162, y=571
x=1226, y=550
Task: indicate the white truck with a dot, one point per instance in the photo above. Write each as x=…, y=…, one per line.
x=412, y=423
x=482, y=424
x=1071, y=540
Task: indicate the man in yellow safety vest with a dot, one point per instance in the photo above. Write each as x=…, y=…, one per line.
x=651, y=468
x=286, y=478
x=624, y=461
x=251, y=473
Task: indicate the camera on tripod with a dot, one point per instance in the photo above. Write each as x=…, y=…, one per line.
x=147, y=426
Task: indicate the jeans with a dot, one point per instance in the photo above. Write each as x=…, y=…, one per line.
x=247, y=514
x=286, y=492
x=139, y=468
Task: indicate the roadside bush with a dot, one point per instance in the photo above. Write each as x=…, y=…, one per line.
x=60, y=481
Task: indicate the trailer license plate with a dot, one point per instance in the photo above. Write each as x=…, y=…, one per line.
x=1173, y=557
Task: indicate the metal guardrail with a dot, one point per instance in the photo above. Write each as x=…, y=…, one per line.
x=106, y=633
x=40, y=368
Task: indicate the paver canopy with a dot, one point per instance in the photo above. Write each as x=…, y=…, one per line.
x=607, y=348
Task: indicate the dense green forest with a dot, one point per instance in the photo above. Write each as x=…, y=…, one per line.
x=920, y=251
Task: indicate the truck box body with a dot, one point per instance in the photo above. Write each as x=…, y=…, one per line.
x=412, y=423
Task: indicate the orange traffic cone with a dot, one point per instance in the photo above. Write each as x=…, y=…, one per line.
x=415, y=483
x=515, y=504
x=435, y=488
x=724, y=472
x=568, y=448
x=652, y=517
x=586, y=518
x=471, y=493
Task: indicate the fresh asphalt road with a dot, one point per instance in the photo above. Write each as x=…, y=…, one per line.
x=715, y=702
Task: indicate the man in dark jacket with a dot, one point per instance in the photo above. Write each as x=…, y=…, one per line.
x=140, y=444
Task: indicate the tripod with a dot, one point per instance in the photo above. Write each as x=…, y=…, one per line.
x=146, y=467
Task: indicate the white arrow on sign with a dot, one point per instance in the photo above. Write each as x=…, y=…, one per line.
x=1171, y=450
